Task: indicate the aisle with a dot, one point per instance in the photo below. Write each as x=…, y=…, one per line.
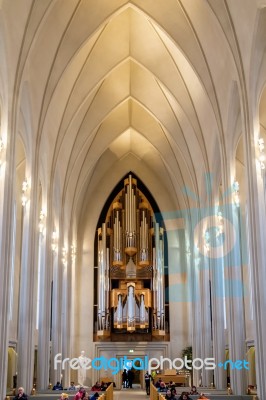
x=130, y=394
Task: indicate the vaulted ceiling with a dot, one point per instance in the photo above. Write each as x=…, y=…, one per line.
x=116, y=85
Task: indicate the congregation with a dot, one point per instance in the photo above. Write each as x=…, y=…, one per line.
x=170, y=390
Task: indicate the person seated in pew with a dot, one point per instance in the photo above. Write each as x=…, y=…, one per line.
x=173, y=390
x=184, y=396
x=63, y=396
x=202, y=396
x=80, y=394
x=21, y=394
x=162, y=387
x=169, y=395
x=95, y=396
x=97, y=387
x=72, y=386
x=157, y=383
x=58, y=386
x=194, y=390
x=104, y=386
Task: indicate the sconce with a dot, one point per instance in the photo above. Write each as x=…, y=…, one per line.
x=262, y=154
x=206, y=238
x=24, y=191
x=1, y=145
x=64, y=255
x=73, y=252
x=1, y=151
x=41, y=221
x=54, y=240
x=236, y=193
x=220, y=227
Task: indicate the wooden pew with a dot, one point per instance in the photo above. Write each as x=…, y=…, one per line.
x=153, y=393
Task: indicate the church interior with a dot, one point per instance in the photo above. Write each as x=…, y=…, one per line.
x=132, y=177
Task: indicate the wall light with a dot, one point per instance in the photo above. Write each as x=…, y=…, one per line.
x=54, y=240
x=73, y=252
x=1, y=152
x=41, y=221
x=261, y=153
x=24, y=191
x=64, y=255
x=236, y=193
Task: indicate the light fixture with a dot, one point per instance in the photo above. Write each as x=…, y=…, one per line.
x=236, y=193
x=73, y=252
x=206, y=238
x=1, y=151
x=261, y=144
x=54, y=240
x=262, y=154
x=64, y=255
x=24, y=191
x=41, y=221
x=220, y=227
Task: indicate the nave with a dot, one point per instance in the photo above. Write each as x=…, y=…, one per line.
x=132, y=188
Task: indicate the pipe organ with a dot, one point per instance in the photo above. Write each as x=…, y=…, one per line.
x=131, y=288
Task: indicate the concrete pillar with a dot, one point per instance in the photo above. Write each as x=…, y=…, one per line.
x=56, y=316
x=234, y=295
x=66, y=317
x=27, y=300
x=257, y=256
x=196, y=315
x=43, y=367
x=206, y=339
x=6, y=246
x=218, y=328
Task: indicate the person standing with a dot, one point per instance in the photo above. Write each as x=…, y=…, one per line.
x=130, y=376
x=125, y=379
x=147, y=378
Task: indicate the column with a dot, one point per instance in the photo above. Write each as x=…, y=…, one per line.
x=257, y=239
x=218, y=328
x=195, y=310
x=27, y=298
x=6, y=246
x=193, y=263
x=66, y=317
x=206, y=334
x=43, y=367
x=56, y=315
x=217, y=298
x=234, y=295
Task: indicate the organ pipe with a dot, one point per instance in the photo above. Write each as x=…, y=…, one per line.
x=119, y=311
x=131, y=306
x=107, y=289
x=142, y=310
x=99, y=284
x=130, y=253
